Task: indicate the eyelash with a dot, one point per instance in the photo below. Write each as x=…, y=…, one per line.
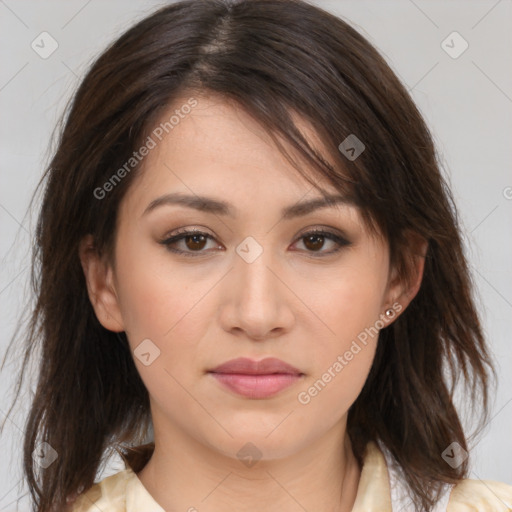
x=180, y=235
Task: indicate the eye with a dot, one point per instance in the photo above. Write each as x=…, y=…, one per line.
x=314, y=241
x=196, y=240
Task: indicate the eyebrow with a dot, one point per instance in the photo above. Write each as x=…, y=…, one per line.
x=218, y=207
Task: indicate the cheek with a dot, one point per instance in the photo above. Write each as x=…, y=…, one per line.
x=340, y=365
x=349, y=303
x=326, y=398
x=162, y=304
x=350, y=306
x=153, y=296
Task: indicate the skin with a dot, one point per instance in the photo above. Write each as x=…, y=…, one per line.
x=300, y=305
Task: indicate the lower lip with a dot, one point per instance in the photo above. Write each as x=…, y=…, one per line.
x=256, y=386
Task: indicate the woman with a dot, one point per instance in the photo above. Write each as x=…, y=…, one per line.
x=246, y=249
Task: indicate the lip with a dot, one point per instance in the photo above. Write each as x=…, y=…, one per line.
x=256, y=379
x=247, y=366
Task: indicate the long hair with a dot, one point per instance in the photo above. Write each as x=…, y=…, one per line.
x=275, y=59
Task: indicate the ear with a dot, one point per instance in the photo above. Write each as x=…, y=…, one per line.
x=100, y=285
x=403, y=288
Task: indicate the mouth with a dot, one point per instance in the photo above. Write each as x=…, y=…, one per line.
x=256, y=379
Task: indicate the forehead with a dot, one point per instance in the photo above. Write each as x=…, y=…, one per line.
x=217, y=148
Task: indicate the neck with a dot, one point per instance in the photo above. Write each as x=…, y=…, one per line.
x=186, y=475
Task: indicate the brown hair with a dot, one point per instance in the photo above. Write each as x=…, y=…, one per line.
x=274, y=58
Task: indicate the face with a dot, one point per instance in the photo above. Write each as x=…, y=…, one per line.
x=252, y=282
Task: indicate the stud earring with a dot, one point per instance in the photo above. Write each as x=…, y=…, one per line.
x=390, y=313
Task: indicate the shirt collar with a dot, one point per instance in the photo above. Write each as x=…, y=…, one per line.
x=373, y=492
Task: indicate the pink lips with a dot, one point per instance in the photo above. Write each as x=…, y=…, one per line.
x=256, y=379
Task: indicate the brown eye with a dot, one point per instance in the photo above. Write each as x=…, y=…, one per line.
x=192, y=243
x=314, y=242
x=195, y=242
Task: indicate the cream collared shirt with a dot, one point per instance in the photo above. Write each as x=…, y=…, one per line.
x=380, y=490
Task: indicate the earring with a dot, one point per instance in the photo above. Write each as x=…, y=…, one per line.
x=390, y=313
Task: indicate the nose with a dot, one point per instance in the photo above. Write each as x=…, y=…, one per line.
x=257, y=303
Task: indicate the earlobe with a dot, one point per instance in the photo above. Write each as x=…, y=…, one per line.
x=100, y=286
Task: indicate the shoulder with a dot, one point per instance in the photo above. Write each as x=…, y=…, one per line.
x=466, y=496
x=480, y=496
x=108, y=495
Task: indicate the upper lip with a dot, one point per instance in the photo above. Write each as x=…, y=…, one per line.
x=267, y=366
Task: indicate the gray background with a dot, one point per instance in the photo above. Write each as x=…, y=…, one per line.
x=467, y=102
